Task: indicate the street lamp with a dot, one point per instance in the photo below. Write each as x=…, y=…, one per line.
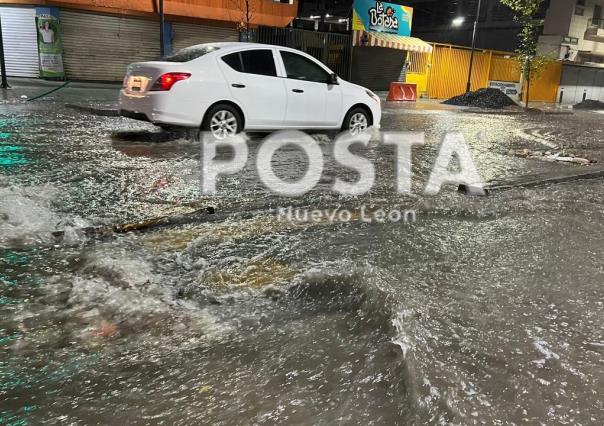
x=4, y=84
x=469, y=86
x=162, y=25
x=458, y=22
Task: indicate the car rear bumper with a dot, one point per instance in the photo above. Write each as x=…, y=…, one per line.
x=134, y=115
x=157, y=108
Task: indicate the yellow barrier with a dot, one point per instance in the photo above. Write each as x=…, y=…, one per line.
x=417, y=71
x=444, y=73
x=505, y=68
x=545, y=87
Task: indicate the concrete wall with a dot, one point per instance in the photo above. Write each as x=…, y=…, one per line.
x=558, y=17
x=581, y=82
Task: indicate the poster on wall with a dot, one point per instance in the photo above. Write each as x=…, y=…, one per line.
x=379, y=16
x=510, y=88
x=49, y=46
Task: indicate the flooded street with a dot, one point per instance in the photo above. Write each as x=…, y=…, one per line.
x=484, y=310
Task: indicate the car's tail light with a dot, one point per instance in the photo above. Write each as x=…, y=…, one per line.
x=167, y=80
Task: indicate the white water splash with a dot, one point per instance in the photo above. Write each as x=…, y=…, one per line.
x=28, y=217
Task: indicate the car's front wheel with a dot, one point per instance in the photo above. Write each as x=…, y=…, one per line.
x=357, y=121
x=223, y=121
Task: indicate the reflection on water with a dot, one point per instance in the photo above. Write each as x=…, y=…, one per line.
x=486, y=310
x=11, y=155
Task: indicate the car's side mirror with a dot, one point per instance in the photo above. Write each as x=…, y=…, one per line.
x=333, y=79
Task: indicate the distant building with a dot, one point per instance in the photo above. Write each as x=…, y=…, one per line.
x=434, y=21
x=324, y=15
x=574, y=31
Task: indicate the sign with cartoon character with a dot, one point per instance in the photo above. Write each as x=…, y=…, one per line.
x=383, y=17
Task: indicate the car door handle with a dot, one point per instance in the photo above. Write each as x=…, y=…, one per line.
x=238, y=86
x=297, y=90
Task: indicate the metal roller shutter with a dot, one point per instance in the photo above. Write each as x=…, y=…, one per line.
x=100, y=47
x=20, y=41
x=185, y=35
x=376, y=67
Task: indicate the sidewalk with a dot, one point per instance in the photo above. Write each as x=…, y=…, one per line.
x=23, y=89
x=437, y=105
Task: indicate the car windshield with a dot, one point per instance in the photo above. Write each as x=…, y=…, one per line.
x=190, y=53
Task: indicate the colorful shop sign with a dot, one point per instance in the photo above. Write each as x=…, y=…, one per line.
x=379, y=16
x=49, y=46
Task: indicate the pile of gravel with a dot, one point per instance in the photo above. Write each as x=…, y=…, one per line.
x=482, y=98
x=590, y=104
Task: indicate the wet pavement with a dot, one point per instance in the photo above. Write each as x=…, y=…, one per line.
x=482, y=311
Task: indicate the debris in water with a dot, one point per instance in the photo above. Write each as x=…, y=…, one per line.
x=553, y=157
x=204, y=389
x=568, y=159
x=165, y=221
x=162, y=183
x=106, y=329
x=482, y=98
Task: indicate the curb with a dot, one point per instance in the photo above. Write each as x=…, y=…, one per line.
x=521, y=112
x=95, y=111
x=531, y=181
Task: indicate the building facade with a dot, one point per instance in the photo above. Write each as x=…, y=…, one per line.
x=96, y=40
x=574, y=31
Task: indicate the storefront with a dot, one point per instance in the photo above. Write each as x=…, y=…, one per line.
x=97, y=41
x=186, y=34
x=100, y=47
x=20, y=41
x=382, y=41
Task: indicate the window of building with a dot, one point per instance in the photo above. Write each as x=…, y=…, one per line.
x=570, y=40
x=597, y=18
x=579, y=11
x=259, y=62
x=580, y=2
x=300, y=68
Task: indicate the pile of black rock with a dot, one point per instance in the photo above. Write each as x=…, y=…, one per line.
x=590, y=104
x=482, y=98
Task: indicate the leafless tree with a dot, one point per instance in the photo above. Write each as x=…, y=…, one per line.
x=245, y=10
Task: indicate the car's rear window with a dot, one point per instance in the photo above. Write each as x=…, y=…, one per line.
x=189, y=53
x=259, y=61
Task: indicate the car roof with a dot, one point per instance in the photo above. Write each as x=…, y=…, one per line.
x=236, y=45
x=233, y=46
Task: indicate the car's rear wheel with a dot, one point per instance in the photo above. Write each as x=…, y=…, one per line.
x=223, y=121
x=357, y=121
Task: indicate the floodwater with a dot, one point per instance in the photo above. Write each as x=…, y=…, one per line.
x=482, y=311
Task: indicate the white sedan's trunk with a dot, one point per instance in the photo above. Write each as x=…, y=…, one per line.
x=140, y=76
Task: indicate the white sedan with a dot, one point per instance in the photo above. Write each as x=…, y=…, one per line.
x=226, y=88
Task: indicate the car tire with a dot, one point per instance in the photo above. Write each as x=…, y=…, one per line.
x=357, y=120
x=222, y=120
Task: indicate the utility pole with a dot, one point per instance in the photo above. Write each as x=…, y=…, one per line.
x=469, y=86
x=161, y=28
x=4, y=84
